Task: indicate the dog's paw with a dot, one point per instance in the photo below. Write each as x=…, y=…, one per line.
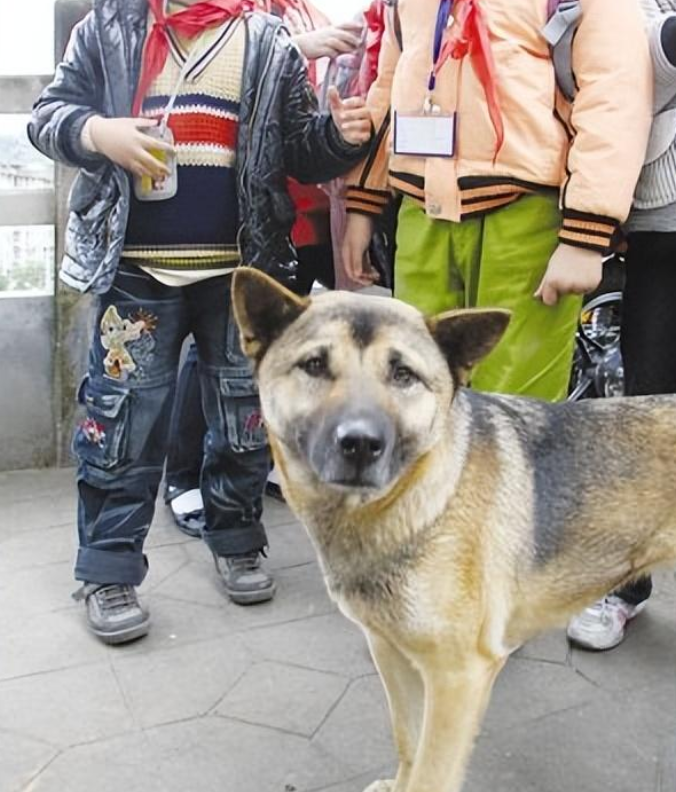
x=380, y=786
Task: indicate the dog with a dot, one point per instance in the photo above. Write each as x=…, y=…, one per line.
x=451, y=525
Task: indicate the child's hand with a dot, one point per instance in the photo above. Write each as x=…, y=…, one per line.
x=571, y=270
x=352, y=117
x=330, y=41
x=123, y=141
x=354, y=250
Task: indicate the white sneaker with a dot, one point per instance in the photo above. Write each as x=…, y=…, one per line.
x=603, y=624
x=188, y=511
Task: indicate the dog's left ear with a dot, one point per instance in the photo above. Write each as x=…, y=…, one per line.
x=466, y=336
x=263, y=310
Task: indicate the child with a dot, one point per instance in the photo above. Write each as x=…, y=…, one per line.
x=317, y=39
x=156, y=227
x=648, y=317
x=510, y=196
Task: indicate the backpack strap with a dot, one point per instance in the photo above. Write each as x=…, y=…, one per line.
x=563, y=19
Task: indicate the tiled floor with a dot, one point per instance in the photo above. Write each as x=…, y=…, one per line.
x=281, y=697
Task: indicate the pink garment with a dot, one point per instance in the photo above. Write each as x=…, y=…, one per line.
x=353, y=75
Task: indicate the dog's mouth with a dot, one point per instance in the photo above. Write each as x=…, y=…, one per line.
x=368, y=484
x=354, y=453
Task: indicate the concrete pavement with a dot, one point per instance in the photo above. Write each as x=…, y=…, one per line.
x=282, y=697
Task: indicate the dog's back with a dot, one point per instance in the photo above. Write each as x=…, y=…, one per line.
x=599, y=506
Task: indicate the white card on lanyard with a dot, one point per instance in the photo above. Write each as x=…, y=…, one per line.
x=425, y=135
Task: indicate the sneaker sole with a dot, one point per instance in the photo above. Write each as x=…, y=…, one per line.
x=581, y=644
x=251, y=597
x=123, y=636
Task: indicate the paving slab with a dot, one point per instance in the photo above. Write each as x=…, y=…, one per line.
x=21, y=759
x=285, y=697
x=197, y=675
x=282, y=697
x=66, y=707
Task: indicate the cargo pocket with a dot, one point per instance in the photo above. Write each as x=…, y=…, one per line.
x=101, y=439
x=243, y=420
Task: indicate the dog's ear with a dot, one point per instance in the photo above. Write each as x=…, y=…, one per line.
x=263, y=310
x=466, y=336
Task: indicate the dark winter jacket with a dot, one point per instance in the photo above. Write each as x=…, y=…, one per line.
x=280, y=133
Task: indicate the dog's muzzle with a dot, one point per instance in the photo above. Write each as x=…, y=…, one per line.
x=354, y=450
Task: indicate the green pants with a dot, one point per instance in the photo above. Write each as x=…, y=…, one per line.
x=494, y=261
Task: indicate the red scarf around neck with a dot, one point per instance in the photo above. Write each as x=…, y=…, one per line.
x=469, y=35
x=188, y=23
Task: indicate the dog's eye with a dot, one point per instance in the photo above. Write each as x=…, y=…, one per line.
x=403, y=375
x=315, y=366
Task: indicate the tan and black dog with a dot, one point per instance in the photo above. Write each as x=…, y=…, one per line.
x=451, y=525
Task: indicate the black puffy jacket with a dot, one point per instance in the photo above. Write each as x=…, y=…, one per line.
x=281, y=134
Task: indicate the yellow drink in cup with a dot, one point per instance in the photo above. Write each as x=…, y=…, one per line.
x=147, y=188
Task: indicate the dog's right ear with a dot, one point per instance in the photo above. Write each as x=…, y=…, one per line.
x=263, y=310
x=466, y=336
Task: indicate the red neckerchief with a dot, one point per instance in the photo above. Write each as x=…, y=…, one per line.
x=469, y=35
x=189, y=23
x=375, y=29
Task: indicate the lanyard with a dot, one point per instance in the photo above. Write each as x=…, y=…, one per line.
x=443, y=16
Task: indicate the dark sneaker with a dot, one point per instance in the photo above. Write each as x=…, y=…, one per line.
x=273, y=490
x=246, y=582
x=113, y=612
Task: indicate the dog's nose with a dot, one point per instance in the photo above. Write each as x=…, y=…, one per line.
x=361, y=441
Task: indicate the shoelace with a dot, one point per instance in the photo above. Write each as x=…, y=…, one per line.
x=603, y=608
x=247, y=562
x=115, y=597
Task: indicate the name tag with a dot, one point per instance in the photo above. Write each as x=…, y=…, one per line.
x=424, y=135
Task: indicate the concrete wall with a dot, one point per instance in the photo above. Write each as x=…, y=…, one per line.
x=43, y=340
x=27, y=425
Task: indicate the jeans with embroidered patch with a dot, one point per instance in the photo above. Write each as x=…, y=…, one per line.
x=128, y=394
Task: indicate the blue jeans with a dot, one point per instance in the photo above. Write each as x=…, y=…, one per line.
x=186, y=431
x=184, y=455
x=128, y=394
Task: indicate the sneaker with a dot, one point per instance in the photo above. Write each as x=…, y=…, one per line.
x=188, y=512
x=272, y=486
x=273, y=490
x=114, y=613
x=603, y=625
x=246, y=582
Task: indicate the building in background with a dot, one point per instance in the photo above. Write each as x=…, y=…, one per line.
x=26, y=252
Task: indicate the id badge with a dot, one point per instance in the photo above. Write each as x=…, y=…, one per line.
x=147, y=188
x=425, y=135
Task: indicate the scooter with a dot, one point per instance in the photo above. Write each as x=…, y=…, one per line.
x=597, y=370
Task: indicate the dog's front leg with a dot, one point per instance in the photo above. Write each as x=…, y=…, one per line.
x=405, y=696
x=455, y=702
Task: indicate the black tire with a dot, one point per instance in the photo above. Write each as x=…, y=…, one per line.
x=597, y=370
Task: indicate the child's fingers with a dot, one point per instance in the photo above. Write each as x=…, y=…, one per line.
x=149, y=143
x=151, y=165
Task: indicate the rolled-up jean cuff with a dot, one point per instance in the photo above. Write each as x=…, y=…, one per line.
x=107, y=566
x=237, y=541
